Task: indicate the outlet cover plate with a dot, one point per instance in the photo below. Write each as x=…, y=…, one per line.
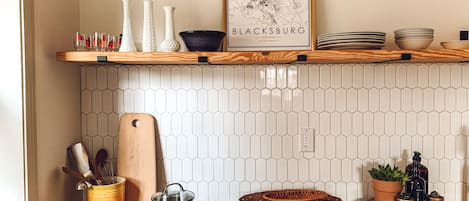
x=307, y=140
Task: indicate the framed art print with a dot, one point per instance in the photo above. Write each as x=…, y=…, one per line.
x=269, y=25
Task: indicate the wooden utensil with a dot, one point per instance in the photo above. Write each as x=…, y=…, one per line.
x=136, y=156
x=81, y=159
x=101, y=156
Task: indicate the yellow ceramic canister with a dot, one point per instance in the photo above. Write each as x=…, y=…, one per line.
x=110, y=192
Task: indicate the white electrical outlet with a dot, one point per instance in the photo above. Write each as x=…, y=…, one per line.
x=307, y=140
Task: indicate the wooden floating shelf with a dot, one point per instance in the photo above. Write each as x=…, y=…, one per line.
x=276, y=57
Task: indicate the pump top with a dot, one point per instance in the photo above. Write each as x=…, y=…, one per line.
x=417, y=156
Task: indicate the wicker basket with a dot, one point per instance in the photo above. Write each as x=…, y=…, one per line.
x=295, y=195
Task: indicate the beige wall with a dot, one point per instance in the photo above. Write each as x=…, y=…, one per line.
x=57, y=96
x=106, y=16
x=447, y=17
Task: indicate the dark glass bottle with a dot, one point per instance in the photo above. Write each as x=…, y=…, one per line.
x=422, y=170
x=417, y=185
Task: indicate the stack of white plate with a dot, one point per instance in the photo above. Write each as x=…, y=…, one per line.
x=351, y=40
x=414, y=38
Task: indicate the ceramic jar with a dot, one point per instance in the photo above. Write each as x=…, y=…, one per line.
x=386, y=190
x=128, y=44
x=169, y=44
x=148, y=37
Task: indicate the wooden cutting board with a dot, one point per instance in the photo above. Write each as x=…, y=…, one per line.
x=136, y=155
x=259, y=197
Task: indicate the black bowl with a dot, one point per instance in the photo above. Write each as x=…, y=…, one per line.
x=202, y=41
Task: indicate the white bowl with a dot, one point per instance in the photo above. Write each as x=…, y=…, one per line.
x=414, y=44
x=414, y=34
x=414, y=30
x=414, y=38
x=456, y=44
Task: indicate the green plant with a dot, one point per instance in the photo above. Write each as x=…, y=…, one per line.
x=386, y=173
x=435, y=194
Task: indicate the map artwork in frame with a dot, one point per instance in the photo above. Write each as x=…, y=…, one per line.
x=269, y=25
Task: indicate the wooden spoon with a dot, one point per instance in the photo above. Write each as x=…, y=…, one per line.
x=101, y=157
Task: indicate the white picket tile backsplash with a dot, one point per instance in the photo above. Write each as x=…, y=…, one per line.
x=230, y=130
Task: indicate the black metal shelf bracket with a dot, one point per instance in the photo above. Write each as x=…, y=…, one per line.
x=463, y=35
x=301, y=57
x=404, y=57
x=101, y=59
x=203, y=59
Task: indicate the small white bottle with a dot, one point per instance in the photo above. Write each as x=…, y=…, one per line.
x=148, y=38
x=128, y=43
x=169, y=44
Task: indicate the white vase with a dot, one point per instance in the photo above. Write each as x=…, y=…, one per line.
x=169, y=44
x=127, y=44
x=148, y=38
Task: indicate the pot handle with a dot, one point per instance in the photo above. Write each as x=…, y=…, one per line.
x=172, y=184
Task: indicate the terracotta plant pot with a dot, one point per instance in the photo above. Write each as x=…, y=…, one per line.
x=386, y=190
x=398, y=199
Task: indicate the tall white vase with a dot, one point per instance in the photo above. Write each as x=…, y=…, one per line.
x=148, y=38
x=169, y=44
x=128, y=43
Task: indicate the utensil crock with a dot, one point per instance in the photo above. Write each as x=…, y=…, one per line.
x=111, y=192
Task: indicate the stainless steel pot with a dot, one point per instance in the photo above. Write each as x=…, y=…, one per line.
x=170, y=195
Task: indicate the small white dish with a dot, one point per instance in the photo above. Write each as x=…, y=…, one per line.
x=455, y=44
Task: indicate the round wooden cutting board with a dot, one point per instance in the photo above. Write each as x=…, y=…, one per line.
x=258, y=197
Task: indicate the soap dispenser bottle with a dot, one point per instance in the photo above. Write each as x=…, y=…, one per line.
x=421, y=169
x=417, y=185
